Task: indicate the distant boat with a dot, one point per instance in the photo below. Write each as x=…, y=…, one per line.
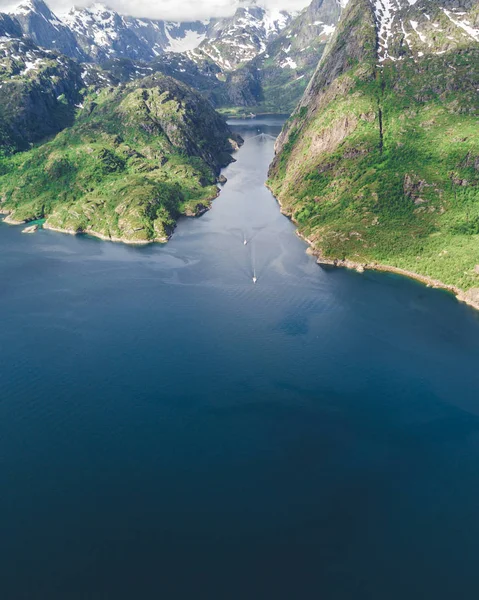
x=245, y=242
x=254, y=277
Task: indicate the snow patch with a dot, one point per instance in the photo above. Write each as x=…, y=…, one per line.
x=288, y=62
x=474, y=33
x=190, y=41
x=422, y=37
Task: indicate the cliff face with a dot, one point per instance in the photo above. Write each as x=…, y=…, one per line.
x=350, y=56
x=136, y=157
x=380, y=161
x=38, y=23
x=9, y=27
x=288, y=62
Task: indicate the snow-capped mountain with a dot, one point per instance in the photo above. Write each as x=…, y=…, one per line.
x=236, y=40
x=39, y=23
x=103, y=34
x=434, y=29
x=97, y=33
x=290, y=59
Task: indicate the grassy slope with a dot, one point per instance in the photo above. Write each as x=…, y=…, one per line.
x=406, y=194
x=135, y=160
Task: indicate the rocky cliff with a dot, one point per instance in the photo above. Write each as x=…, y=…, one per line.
x=380, y=161
x=289, y=61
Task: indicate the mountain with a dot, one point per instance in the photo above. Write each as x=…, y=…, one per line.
x=9, y=27
x=204, y=76
x=135, y=159
x=38, y=93
x=234, y=41
x=290, y=59
x=379, y=164
x=257, y=58
x=103, y=34
x=98, y=34
x=38, y=23
x=282, y=62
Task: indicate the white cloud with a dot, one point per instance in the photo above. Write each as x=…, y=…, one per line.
x=186, y=10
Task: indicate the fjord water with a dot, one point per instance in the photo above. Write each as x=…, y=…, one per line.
x=168, y=429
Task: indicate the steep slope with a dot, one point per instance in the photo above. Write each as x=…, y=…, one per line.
x=38, y=93
x=97, y=33
x=380, y=162
x=289, y=61
x=9, y=27
x=137, y=157
x=43, y=27
x=104, y=34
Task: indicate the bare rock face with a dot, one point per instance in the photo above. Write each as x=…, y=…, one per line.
x=38, y=23
x=30, y=229
x=9, y=26
x=471, y=297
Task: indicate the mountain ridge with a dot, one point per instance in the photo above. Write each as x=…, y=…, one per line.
x=379, y=164
x=258, y=58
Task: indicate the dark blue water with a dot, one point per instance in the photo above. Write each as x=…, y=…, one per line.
x=170, y=430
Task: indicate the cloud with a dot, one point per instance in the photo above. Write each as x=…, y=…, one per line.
x=186, y=10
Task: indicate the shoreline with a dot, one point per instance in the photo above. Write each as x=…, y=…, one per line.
x=104, y=237
x=9, y=221
x=471, y=299
x=204, y=209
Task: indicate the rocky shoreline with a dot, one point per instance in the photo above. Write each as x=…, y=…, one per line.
x=104, y=237
x=201, y=210
x=470, y=297
x=10, y=221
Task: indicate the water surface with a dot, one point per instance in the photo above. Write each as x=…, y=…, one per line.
x=170, y=430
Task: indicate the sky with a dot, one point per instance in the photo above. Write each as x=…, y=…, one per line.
x=179, y=10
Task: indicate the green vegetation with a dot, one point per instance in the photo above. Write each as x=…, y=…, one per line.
x=137, y=157
x=381, y=165
x=38, y=93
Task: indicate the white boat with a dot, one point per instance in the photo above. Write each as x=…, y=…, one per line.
x=245, y=242
x=254, y=277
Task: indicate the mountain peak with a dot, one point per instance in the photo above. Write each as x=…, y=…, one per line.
x=29, y=6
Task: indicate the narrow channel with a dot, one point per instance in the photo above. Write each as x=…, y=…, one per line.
x=166, y=424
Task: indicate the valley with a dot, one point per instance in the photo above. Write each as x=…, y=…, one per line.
x=210, y=407
x=378, y=165
x=259, y=59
